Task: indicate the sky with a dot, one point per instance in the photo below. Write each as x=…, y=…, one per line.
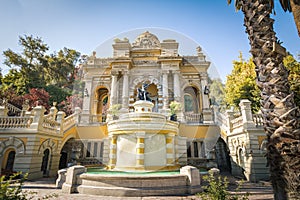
x=87, y=25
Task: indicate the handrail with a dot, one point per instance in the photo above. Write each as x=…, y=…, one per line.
x=237, y=122
x=258, y=120
x=193, y=117
x=69, y=122
x=15, y=122
x=50, y=125
x=11, y=107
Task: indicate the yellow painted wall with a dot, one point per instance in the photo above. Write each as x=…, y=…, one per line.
x=199, y=132
x=92, y=132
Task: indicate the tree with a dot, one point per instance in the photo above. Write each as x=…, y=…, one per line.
x=30, y=62
x=280, y=113
x=240, y=84
x=292, y=6
x=61, y=67
x=294, y=77
x=38, y=97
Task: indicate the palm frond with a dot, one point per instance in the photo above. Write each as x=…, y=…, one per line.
x=237, y=4
x=286, y=5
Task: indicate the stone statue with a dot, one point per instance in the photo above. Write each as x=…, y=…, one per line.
x=143, y=94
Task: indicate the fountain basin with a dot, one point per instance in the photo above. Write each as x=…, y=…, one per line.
x=133, y=185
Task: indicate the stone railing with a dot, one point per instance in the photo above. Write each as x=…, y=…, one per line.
x=87, y=118
x=221, y=119
x=258, y=120
x=15, y=122
x=69, y=121
x=13, y=109
x=193, y=118
x=50, y=125
x=237, y=122
x=233, y=122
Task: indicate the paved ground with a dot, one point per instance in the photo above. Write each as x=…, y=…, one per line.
x=43, y=187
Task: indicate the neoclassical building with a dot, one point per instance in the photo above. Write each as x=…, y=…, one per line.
x=41, y=144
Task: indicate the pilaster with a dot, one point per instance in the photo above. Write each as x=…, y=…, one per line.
x=113, y=152
x=140, y=150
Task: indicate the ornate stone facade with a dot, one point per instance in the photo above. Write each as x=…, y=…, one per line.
x=41, y=144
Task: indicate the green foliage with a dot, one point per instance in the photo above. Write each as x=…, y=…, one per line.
x=57, y=94
x=11, y=189
x=217, y=189
x=30, y=62
x=241, y=84
x=174, y=107
x=61, y=67
x=33, y=68
x=294, y=77
x=114, y=109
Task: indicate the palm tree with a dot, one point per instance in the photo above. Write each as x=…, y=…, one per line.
x=281, y=116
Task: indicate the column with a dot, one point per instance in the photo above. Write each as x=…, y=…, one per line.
x=165, y=90
x=177, y=89
x=160, y=97
x=113, y=90
x=170, y=150
x=125, y=90
x=140, y=150
x=177, y=151
x=246, y=112
x=113, y=152
x=85, y=117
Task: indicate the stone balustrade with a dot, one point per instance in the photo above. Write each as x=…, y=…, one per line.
x=193, y=118
x=50, y=125
x=237, y=122
x=258, y=120
x=13, y=109
x=15, y=122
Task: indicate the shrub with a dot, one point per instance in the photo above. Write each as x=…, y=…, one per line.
x=217, y=189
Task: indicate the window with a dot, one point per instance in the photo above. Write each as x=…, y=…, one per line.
x=10, y=160
x=188, y=103
x=196, y=153
x=188, y=150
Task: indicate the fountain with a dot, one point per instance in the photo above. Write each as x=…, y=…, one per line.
x=144, y=158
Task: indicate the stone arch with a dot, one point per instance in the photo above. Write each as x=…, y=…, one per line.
x=191, y=99
x=7, y=160
x=71, y=136
x=153, y=90
x=240, y=155
x=101, y=102
x=149, y=79
x=15, y=142
x=50, y=144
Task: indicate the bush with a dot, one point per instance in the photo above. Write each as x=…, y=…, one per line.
x=11, y=188
x=217, y=189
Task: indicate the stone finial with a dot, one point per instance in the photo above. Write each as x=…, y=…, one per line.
x=199, y=49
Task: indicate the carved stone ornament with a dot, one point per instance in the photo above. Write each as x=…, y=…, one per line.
x=146, y=41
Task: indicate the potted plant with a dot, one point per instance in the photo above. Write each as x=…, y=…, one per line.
x=114, y=110
x=174, y=108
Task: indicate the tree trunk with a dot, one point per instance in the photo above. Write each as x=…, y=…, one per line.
x=296, y=13
x=281, y=116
